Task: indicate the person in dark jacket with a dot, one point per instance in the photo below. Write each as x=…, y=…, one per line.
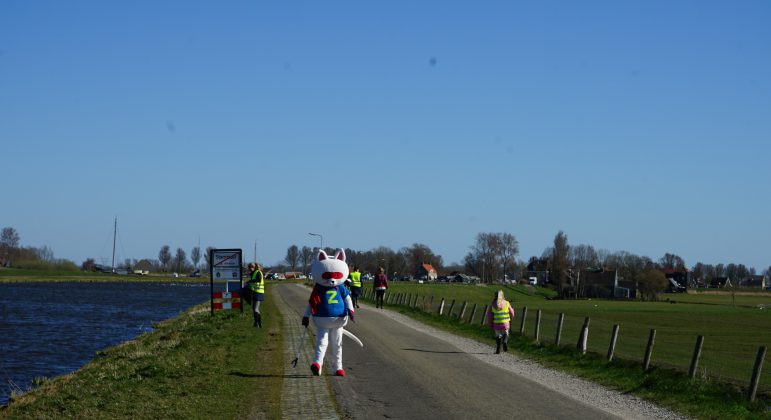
x=380, y=285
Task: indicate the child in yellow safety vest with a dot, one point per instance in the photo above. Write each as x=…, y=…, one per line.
x=499, y=317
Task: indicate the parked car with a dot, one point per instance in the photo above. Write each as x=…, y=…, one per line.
x=196, y=273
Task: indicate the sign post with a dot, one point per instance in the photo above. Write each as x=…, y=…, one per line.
x=225, y=267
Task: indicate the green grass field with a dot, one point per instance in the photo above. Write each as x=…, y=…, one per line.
x=732, y=333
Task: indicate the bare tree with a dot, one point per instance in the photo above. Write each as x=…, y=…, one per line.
x=207, y=257
x=195, y=256
x=483, y=258
x=742, y=272
x=583, y=256
x=180, y=259
x=491, y=255
x=164, y=256
x=292, y=257
x=720, y=270
x=672, y=261
x=45, y=254
x=732, y=272
x=9, y=238
x=509, y=249
x=418, y=254
x=559, y=260
x=306, y=256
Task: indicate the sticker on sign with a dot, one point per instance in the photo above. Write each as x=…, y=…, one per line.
x=227, y=259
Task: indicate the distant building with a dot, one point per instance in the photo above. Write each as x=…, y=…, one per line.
x=537, y=271
x=678, y=279
x=756, y=282
x=597, y=283
x=426, y=272
x=720, y=282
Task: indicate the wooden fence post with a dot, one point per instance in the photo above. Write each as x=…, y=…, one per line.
x=473, y=312
x=484, y=315
x=756, y=372
x=695, y=357
x=441, y=307
x=449, y=311
x=462, y=310
x=649, y=349
x=522, y=324
x=560, y=321
x=537, y=325
x=583, y=338
x=613, y=338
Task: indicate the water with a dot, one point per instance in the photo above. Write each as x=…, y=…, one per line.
x=50, y=329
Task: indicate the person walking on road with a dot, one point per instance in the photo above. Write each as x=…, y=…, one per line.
x=380, y=285
x=499, y=320
x=355, y=276
x=257, y=288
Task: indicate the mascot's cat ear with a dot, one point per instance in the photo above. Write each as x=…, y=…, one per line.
x=340, y=255
x=322, y=255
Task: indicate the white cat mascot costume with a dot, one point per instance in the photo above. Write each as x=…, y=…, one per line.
x=331, y=306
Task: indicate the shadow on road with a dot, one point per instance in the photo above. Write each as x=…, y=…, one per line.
x=259, y=375
x=441, y=352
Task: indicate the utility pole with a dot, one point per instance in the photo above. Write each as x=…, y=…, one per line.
x=114, y=235
x=255, y=250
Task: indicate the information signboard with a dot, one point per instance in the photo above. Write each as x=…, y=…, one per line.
x=225, y=268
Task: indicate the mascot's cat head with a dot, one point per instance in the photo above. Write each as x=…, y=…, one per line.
x=329, y=272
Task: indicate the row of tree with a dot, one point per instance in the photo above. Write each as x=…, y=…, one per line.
x=13, y=254
x=402, y=261
x=492, y=258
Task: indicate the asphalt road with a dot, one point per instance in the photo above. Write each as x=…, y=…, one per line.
x=406, y=374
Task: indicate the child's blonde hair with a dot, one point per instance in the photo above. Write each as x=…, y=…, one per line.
x=499, y=298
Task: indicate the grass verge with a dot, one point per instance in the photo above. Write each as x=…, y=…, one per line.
x=194, y=366
x=703, y=399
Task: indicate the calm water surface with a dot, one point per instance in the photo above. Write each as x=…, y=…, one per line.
x=50, y=329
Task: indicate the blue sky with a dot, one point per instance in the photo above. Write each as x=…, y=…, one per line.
x=638, y=126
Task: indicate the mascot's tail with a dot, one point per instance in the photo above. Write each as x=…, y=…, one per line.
x=352, y=337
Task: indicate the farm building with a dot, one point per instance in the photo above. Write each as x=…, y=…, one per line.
x=426, y=272
x=756, y=282
x=601, y=283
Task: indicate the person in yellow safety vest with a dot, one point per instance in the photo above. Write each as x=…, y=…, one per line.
x=355, y=276
x=257, y=289
x=499, y=317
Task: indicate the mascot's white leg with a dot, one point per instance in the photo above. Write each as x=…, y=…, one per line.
x=336, y=338
x=322, y=340
x=329, y=331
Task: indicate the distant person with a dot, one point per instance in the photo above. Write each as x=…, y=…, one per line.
x=380, y=285
x=355, y=286
x=257, y=288
x=499, y=320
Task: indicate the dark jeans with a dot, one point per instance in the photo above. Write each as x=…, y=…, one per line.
x=379, y=298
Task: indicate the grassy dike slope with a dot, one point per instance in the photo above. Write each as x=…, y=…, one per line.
x=193, y=366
